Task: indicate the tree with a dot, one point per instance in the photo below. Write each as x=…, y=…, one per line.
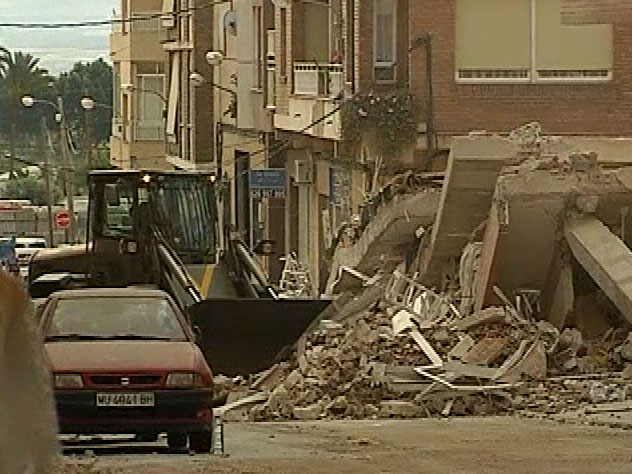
x=31, y=188
x=92, y=80
x=20, y=75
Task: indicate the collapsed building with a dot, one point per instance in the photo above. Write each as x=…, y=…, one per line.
x=507, y=290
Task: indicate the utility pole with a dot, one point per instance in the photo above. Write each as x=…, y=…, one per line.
x=49, y=196
x=68, y=172
x=88, y=139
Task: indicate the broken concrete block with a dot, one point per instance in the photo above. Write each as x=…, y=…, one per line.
x=493, y=314
x=583, y=161
x=486, y=351
x=338, y=406
x=462, y=348
x=279, y=399
x=532, y=365
x=398, y=409
x=293, y=379
x=587, y=203
x=626, y=348
x=308, y=413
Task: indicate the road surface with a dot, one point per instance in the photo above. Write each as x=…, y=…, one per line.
x=455, y=445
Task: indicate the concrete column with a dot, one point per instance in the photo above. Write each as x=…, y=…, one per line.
x=304, y=223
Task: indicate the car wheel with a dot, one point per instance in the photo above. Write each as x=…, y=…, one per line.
x=177, y=441
x=201, y=442
x=147, y=437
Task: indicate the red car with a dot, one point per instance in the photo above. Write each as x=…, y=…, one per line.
x=125, y=361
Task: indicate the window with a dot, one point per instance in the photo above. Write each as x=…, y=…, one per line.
x=283, y=43
x=168, y=10
x=258, y=39
x=525, y=41
x=116, y=89
x=113, y=318
x=119, y=210
x=270, y=68
x=384, y=40
x=150, y=107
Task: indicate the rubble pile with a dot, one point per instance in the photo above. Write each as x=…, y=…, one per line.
x=516, y=300
x=399, y=360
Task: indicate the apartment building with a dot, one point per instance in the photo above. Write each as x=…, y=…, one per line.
x=188, y=26
x=139, y=63
x=244, y=106
x=498, y=64
x=327, y=52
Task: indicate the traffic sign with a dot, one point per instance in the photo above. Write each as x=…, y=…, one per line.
x=62, y=219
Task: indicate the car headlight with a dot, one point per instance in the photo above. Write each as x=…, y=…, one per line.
x=68, y=381
x=184, y=380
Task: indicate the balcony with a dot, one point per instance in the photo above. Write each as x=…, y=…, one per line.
x=318, y=80
x=138, y=40
x=152, y=130
x=304, y=111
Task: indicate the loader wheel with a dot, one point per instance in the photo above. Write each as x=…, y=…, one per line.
x=201, y=442
x=177, y=441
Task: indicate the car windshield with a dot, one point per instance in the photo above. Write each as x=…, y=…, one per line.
x=114, y=318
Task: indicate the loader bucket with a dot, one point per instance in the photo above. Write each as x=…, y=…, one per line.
x=246, y=336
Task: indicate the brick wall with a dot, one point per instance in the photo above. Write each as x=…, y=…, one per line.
x=364, y=46
x=578, y=109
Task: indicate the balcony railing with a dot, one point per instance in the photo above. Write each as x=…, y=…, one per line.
x=318, y=79
x=149, y=130
x=141, y=23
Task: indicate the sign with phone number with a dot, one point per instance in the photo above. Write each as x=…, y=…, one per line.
x=267, y=182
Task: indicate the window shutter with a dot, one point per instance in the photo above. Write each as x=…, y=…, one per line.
x=493, y=39
x=174, y=89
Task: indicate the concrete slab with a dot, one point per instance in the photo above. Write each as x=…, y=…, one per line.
x=473, y=169
x=605, y=257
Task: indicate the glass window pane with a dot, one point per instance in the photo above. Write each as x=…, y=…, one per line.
x=115, y=316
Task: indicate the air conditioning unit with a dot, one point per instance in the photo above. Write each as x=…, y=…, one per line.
x=303, y=172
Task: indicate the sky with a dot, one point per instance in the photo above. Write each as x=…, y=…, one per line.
x=58, y=49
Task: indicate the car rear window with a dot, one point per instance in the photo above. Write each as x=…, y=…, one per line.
x=114, y=318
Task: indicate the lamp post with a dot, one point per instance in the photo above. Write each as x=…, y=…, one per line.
x=88, y=104
x=47, y=173
x=58, y=107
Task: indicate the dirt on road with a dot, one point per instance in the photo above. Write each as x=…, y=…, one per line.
x=452, y=445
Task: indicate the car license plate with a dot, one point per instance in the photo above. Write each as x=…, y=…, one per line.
x=144, y=399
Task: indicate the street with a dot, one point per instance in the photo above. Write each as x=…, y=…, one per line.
x=425, y=445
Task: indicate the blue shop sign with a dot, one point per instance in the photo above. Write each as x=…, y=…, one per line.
x=267, y=182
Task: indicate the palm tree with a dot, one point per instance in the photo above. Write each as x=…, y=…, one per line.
x=20, y=75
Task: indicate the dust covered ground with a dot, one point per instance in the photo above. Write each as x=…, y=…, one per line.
x=459, y=445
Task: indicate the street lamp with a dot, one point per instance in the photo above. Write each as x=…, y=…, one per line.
x=30, y=101
x=214, y=58
x=88, y=103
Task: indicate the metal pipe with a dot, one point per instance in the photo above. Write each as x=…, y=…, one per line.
x=177, y=269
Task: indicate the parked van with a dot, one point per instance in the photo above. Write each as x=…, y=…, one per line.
x=25, y=248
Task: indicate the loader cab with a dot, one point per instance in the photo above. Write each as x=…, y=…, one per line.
x=130, y=209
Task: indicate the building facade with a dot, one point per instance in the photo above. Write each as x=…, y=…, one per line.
x=497, y=65
x=189, y=117
x=139, y=63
